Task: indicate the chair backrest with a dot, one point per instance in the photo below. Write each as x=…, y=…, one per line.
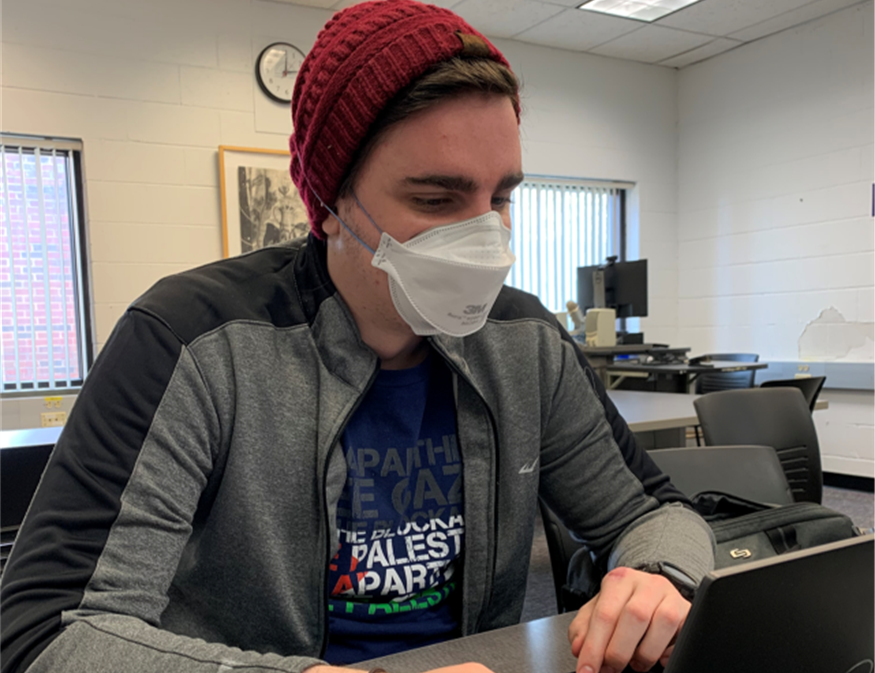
x=777, y=417
x=810, y=387
x=708, y=383
x=750, y=472
x=561, y=547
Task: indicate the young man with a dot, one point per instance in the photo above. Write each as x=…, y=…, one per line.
x=318, y=453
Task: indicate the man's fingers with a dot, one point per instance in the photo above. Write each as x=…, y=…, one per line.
x=663, y=660
x=634, y=622
x=580, y=625
x=668, y=617
x=606, y=612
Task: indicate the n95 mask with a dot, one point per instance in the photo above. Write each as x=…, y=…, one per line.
x=446, y=279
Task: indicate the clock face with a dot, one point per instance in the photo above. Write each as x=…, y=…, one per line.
x=276, y=69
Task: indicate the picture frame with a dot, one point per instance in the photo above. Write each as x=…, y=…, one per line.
x=260, y=204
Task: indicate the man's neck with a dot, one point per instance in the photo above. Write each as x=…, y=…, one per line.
x=380, y=327
x=395, y=350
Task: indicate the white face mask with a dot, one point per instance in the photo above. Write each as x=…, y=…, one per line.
x=446, y=279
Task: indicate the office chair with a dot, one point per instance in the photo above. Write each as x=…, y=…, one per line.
x=810, y=387
x=21, y=468
x=778, y=417
x=708, y=383
x=750, y=472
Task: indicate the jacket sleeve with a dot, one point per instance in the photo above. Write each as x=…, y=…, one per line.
x=88, y=578
x=606, y=489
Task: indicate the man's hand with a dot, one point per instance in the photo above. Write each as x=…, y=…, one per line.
x=633, y=620
x=461, y=668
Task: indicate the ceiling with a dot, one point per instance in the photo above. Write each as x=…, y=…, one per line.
x=690, y=35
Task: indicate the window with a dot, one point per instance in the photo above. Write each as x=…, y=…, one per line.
x=559, y=225
x=42, y=291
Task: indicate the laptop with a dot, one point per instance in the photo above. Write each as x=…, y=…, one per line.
x=809, y=611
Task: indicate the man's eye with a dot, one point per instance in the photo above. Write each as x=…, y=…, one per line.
x=436, y=202
x=501, y=201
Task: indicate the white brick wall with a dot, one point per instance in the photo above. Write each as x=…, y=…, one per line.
x=595, y=117
x=775, y=176
x=153, y=88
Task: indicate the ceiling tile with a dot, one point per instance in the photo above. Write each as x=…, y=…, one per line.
x=565, y=3
x=651, y=44
x=792, y=18
x=723, y=17
x=343, y=4
x=326, y=4
x=504, y=18
x=716, y=46
x=577, y=30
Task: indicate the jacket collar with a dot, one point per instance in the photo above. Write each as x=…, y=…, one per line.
x=334, y=330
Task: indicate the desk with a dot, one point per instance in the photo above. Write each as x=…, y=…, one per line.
x=648, y=412
x=660, y=419
x=540, y=646
x=618, y=371
x=602, y=357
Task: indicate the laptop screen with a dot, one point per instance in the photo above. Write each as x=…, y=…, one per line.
x=802, y=612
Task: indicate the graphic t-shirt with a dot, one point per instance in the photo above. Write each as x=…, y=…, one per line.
x=394, y=583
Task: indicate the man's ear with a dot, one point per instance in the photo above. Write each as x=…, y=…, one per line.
x=331, y=226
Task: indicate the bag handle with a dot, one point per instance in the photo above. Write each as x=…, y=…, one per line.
x=783, y=539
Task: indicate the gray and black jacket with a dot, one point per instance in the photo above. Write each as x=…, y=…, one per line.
x=185, y=520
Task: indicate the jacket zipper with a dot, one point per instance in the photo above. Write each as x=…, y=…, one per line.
x=496, y=462
x=328, y=545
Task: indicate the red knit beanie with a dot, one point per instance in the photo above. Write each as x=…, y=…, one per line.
x=362, y=57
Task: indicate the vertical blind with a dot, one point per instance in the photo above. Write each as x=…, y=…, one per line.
x=557, y=227
x=41, y=307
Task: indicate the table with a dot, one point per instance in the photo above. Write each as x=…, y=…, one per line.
x=540, y=646
x=660, y=420
x=602, y=357
x=617, y=372
x=647, y=412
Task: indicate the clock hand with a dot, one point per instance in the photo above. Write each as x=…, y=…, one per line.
x=286, y=68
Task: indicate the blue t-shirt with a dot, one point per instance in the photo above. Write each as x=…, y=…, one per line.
x=394, y=583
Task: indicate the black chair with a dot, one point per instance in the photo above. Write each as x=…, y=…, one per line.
x=751, y=472
x=561, y=547
x=777, y=417
x=708, y=383
x=810, y=387
x=21, y=468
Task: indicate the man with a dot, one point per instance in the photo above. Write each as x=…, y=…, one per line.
x=324, y=451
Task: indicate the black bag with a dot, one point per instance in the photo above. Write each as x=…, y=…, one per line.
x=749, y=531
x=744, y=530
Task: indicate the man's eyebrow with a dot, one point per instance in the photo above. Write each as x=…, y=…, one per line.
x=460, y=183
x=510, y=181
x=453, y=183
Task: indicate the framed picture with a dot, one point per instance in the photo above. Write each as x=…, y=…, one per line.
x=260, y=203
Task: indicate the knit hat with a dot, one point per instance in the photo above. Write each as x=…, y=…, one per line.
x=363, y=56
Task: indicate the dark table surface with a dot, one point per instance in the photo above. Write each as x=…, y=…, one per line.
x=540, y=646
x=713, y=367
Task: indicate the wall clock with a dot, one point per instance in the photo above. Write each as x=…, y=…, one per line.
x=276, y=68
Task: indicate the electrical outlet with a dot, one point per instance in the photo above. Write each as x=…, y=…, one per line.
x=53, y=419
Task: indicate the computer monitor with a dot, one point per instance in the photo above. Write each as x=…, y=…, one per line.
x=618, y=285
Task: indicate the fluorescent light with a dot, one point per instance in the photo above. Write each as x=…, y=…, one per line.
x=642, y=10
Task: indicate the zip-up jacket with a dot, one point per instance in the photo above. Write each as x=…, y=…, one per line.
x=186, y=517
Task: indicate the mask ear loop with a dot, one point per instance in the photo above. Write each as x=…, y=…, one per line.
x=328, y=208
